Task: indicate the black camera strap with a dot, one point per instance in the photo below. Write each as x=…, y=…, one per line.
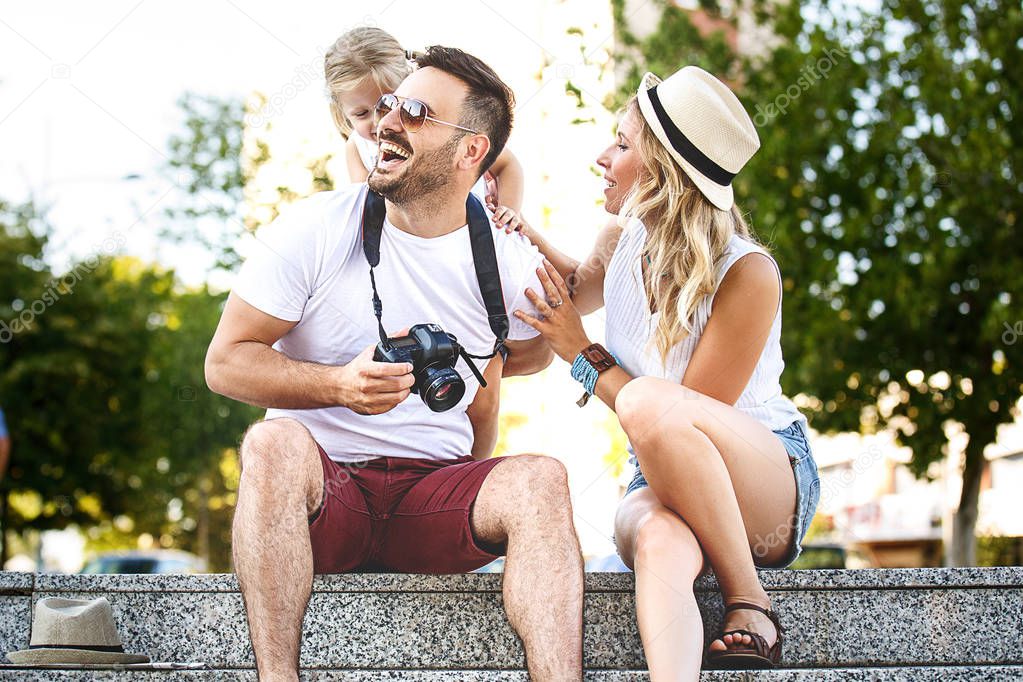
x=373, y=211
x=484, y=258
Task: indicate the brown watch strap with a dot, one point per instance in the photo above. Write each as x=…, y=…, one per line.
x=598, y=357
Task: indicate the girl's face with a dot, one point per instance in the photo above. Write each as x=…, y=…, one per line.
x=358, y=105
x=621, y=162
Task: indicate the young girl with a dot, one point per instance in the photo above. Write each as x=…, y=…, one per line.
x=364, y=64
x=724, y=472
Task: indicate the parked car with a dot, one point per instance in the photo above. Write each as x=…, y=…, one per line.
x=146, y=561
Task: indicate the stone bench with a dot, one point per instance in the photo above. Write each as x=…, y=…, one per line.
x=893, y=624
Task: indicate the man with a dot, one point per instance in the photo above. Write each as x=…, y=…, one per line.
x=348, y=472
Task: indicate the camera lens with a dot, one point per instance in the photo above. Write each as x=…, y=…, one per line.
x=440, y=388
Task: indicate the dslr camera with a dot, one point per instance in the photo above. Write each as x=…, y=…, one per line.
x=432, y=352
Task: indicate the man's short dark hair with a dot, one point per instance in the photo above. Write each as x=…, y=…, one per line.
x=489, y=103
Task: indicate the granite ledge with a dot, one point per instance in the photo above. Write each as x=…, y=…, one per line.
x=775, y=580
x=867, y=674
x=882, y=579
x=16, y=583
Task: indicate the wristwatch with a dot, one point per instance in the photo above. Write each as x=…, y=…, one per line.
x=598, y=357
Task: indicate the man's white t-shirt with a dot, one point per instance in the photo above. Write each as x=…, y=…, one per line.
x=308, y=267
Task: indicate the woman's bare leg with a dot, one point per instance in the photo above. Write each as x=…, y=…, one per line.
x=726, y=474
x=664, y=553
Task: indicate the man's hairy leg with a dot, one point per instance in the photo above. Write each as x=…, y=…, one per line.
x=281, y=485
x=525, y=502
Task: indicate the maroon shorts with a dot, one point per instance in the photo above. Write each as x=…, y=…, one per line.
x=400, y=515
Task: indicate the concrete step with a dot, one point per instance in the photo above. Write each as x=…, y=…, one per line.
x=896, y=674
x=891, y=620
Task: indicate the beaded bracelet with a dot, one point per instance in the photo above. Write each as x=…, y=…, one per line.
x=587, y=375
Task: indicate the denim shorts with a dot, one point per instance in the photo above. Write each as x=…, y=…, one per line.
x=808, y=487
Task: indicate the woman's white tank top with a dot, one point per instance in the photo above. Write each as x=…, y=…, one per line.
x=630, y=325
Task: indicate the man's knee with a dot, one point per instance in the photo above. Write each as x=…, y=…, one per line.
x=274, y=446
x=534, y=486
x=272, y=436
x=545, y=477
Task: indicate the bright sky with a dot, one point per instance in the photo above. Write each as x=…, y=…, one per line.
x=88, y=92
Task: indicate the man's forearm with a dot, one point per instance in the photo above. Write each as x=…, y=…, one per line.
x=483, y=411
x=255, y=373
x=484, y=438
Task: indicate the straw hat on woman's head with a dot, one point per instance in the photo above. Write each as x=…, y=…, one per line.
x=701, y=122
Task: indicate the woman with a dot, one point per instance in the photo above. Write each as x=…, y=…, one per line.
x=724, y=476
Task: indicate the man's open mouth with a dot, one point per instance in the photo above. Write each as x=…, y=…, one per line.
x=392, y=155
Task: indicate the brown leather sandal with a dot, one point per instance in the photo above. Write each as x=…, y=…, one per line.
x=758, y=657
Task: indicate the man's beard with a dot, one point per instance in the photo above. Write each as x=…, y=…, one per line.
x=427, y=172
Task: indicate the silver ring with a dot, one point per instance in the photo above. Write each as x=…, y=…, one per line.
x=555, y=305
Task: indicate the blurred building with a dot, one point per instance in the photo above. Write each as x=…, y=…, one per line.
x=872, y=503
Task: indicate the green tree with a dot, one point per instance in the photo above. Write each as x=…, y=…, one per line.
x=205, y=160
x=888, y=187
x=70, y=384
x=194, y=432
x=101, y=377
x=216, y=159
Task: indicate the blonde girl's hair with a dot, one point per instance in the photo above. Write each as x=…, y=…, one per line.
x=686, y=237
x=360, y=53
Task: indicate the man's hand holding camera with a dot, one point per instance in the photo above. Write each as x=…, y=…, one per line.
x=370, y=387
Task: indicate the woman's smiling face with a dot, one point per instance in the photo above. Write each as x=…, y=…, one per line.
x=621, y=161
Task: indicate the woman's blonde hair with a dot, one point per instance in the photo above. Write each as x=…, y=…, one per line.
x=360, y=53
x=686, y=237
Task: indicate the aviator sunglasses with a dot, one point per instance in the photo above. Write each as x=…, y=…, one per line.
x=413, y=113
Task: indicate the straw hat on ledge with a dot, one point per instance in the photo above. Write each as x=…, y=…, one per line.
x=74, y=631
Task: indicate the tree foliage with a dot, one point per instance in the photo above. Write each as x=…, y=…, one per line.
x=101, y=378
x=888, y=187
x=205, y=160
x=232, y=184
